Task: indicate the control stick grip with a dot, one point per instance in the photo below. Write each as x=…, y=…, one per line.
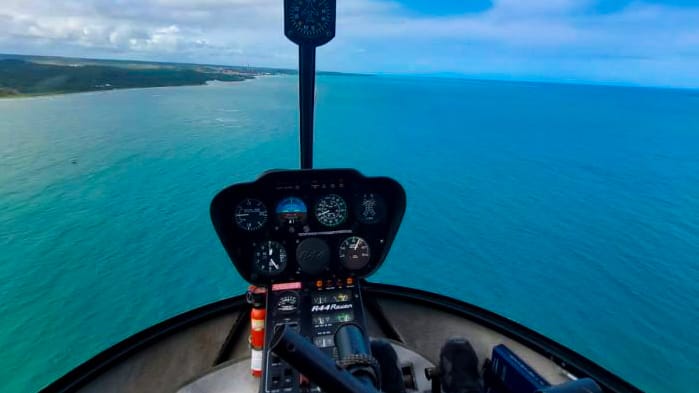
x=314, y=364
x=354, y=354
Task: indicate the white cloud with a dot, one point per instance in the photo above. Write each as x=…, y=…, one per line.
x=556, y=38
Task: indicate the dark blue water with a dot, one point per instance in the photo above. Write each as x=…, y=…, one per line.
x=573, y=210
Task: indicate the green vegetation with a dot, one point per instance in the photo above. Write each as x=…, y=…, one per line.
x=22, y=75
x=36, y=75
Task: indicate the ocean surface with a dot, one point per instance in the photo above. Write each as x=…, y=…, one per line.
x=571, y=209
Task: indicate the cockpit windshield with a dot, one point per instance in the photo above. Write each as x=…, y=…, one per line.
x=549, y=153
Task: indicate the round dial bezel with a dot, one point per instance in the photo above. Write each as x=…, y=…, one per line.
x=262, y=252
x=287, y=295
x=303, y=214
x=241, y=222
x=328, y=219
x=346, y=252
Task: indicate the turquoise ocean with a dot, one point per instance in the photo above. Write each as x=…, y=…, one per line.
x=573, y=210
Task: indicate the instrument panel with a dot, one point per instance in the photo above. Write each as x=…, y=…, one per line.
x=316, y=310
x=308, y=224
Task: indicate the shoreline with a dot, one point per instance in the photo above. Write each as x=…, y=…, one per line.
x=71, y=93
x=24, y=77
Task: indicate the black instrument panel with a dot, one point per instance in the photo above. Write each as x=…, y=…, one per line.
x=308, y=224
x=316, y=310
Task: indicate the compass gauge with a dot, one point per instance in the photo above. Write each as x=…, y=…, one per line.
x=310, y=22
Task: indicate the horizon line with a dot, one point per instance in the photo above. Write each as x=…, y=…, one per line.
x=434, y=74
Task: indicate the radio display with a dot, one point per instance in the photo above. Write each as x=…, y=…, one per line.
x=331, y=297
x=335, y=317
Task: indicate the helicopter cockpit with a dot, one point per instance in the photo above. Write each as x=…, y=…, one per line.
x=309, y=237
x=306, y=240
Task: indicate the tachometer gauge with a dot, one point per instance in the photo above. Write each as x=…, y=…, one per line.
x=270, y=257
x=250, y=214
x=288, y=302
x=354, y=253
x=291, y=211
x=331, y=210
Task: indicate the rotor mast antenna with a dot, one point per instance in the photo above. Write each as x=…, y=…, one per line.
x=309, y=24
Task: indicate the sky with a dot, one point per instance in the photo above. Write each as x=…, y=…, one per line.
x=648, y=42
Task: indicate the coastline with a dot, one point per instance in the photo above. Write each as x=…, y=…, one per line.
x=23, y=77
x=22, y=96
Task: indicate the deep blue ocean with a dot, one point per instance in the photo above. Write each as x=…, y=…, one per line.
x=571, y=209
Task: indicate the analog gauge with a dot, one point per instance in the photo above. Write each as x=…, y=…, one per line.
x=313, y=255
x=370, y=208
x=291, y=211
x=354, y=253
x=250, y=214
x=331, y=210
x=270, y=257
x=288, y=302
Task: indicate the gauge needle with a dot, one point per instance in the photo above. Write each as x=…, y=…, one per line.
x=271, y=262
x=356, y=245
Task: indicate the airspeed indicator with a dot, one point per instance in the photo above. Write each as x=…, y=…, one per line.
x=250, y=214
